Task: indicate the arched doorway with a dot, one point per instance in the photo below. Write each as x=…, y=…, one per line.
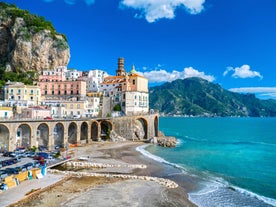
x=141, y=129
x=72, y=133
x=23, y=136
x=84, y=132
x=156, y=126
x=106, y=128
x=94, y=131
x=59, y=135
x=42, y=135
x=4, y=138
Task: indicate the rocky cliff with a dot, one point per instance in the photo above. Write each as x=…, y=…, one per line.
x=29, y=42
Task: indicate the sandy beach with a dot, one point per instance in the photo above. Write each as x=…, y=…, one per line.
x=103, y=191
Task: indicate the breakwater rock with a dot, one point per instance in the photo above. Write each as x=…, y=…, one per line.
x=166, y=141
x=162, y=181
x=101, y=165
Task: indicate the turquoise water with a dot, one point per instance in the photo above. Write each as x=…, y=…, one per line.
x=232, y=155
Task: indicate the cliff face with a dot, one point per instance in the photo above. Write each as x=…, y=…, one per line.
x=25, y=47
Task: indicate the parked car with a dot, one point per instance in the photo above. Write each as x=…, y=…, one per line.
x=48, y=118
x=76, y=116
x=11, y=171
x=3, y=174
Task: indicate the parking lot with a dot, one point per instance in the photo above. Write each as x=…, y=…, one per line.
x=13, y=163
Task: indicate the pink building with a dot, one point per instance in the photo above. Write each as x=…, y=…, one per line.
x=56, y=75
x=36, y=112
x=63, y=90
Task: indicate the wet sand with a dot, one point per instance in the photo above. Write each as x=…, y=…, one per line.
x=99, y=191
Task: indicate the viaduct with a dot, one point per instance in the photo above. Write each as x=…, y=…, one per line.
x=63, y=132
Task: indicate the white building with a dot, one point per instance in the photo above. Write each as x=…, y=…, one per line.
x=93, y=79
x=72, y=74
x=93, y=104
x=57, y=74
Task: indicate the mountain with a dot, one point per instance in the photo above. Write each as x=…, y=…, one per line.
x=196, y=96
x=29, y=42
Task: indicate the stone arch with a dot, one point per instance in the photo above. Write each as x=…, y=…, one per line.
x=42, y=135
x=84, y=132
x=141, y=128
x=4, y=137
x=94, y=130
x=59, y=135
x=23, y=136
x=156, y=123
x=72, y=133
x=106, y=127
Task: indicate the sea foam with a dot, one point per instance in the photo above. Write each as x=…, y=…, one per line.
x=216, y=191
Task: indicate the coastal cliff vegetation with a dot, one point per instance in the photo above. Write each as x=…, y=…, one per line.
x=29, y=43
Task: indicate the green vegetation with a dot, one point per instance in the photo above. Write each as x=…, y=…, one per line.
x=33, y=148
x=31, y=25
x=34, y=23
x=117, y=107
x=195, y=96
x=26, y=78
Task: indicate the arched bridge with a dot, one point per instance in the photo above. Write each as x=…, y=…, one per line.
x=63, y=132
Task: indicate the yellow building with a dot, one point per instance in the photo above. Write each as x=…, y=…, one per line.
x=6, y=112
x=19, y=94
x=74, y=108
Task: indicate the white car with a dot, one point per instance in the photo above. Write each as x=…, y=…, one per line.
x=76, y=116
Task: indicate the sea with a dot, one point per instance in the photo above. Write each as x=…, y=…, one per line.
x=232, y=161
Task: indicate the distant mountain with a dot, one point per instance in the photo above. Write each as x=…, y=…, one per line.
x=196, y=96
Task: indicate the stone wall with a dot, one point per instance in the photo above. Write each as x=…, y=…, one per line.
x=125, y=126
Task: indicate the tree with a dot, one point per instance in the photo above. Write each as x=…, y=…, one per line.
x=117, y=107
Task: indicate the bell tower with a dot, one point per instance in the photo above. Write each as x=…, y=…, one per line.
x=121, y=67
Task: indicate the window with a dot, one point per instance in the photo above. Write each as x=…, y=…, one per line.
x=78, y=106
x=32, y=98
x=32, y=91
x=133, y=82
x=19, y=91
x=72, y=106
x=53, y=92
x=45, y=92
x=19, y=97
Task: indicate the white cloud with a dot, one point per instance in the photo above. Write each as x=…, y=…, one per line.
x=254, y=90
x=161, y=75
x=153, y=10
x=242, y=72
x=262, y=92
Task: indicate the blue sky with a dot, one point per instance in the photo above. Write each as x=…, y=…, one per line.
x=232, y=43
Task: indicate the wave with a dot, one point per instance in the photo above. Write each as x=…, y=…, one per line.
x=218, y=194
x=142, y=150
x=213, y=186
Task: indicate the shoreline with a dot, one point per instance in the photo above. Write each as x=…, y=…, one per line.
x=118, y=154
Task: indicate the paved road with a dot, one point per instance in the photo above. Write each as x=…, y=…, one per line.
x=17, y=193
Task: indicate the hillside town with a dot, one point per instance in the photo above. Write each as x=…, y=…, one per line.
x=69, y=93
